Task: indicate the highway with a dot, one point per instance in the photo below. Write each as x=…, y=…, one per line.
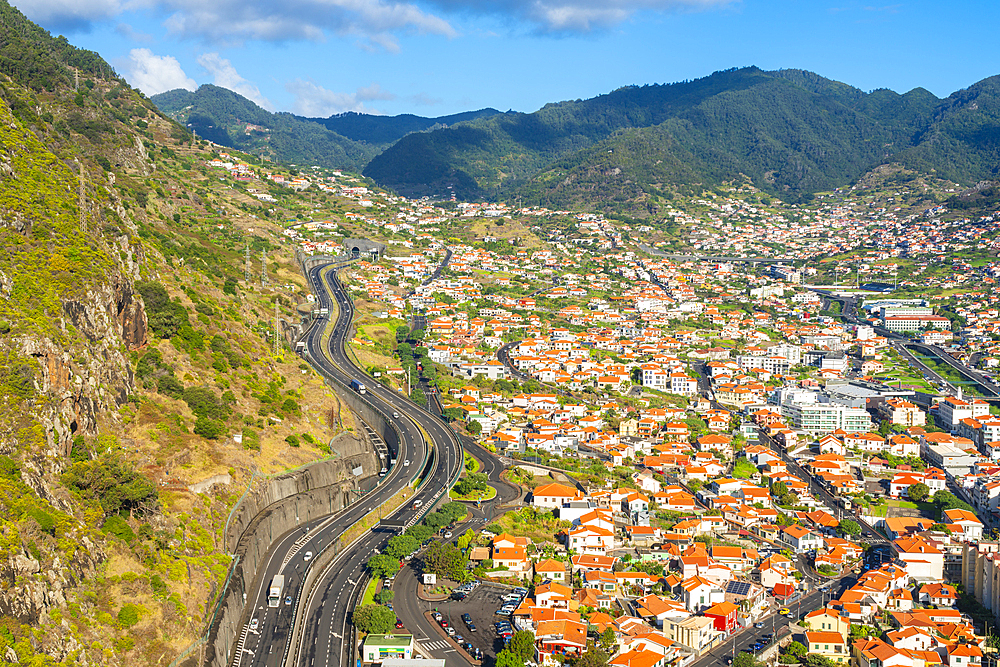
x=903, y=346
x=324, y=617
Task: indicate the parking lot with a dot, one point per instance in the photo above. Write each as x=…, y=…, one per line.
x=480, y=604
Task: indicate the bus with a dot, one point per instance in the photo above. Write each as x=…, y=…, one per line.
x=274, y=593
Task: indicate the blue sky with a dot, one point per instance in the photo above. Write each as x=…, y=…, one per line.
x=436, y=57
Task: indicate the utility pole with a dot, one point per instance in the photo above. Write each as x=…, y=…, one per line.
x=277, y=325
x=263, y=268
x=246, y=269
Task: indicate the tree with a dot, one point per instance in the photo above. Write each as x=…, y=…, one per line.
x=608, y=639
x=385, y=596
x=779, y=489
x=522, y=643
x=420, y=533
x=466, y=539
x=402, y=546
x=918, y=491
x=507, y=658
x=797, y=649
x=744, y=659
x=374, y=619
x=849, y=527
x=594, y=656
x=445, y=560
x=383, y=565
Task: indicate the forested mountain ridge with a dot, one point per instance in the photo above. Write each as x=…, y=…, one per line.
x=343, y=141
x=790, y=132
x=126, y=340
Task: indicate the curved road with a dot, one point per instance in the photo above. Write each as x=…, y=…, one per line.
x=326, y=631
x=327, y=634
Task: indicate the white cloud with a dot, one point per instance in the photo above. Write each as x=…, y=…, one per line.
x=154, y=74
x=374, y=92
x=315, y=101
x=375, y=23
x=574, y=15
x=128, y=32
x=69, y=14
x=225, y=75
x=233, y=21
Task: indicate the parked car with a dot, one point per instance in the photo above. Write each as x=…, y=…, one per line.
x=399, y=624
x=254, y=623
x=436, y=616
x=467, y=618
x=472, y=626
x=450, y=630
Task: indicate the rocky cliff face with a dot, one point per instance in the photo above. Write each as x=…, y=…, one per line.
x=94, y=378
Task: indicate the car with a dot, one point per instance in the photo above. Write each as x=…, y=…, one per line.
x=382, y=472
x=467, y=647
x=460, y=639
x=784, y=611
x=450, y=630
x=467, y=618
x=758, y=625
x=395, y=415
x=308, y=556
x=479, y=653
x=472, y=626
x=254, y=623
x=387, y=583
x=443, y=623
x=288, y=599
x=458, y=595
x=447, y=535
x=729, y=660
x=399, y=624
x=406, y=463
x=436, y=616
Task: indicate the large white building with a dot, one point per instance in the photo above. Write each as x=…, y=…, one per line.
x=812, y=412
x=953, y=410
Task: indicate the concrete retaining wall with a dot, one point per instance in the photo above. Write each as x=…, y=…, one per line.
x=278, y=505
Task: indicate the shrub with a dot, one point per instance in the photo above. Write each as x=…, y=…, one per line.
x=114, y=483
x=209, y=428
x=128, y=615
x=292, y=440
x=118, y=527
x=44, y=520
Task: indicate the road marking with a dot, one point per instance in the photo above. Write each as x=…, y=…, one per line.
x=439, y=645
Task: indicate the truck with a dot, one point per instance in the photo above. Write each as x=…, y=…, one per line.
x=274, y=592
x=357, y=386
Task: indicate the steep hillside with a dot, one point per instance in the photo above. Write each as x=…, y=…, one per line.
x=227, y=118
x=962, y=141
x=790, y=132
x=132, y=354
x=345, y=141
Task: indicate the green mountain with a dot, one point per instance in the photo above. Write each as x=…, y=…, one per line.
x=790, y=132
x=962, y=140
x=386, y=130
x=344, y=141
